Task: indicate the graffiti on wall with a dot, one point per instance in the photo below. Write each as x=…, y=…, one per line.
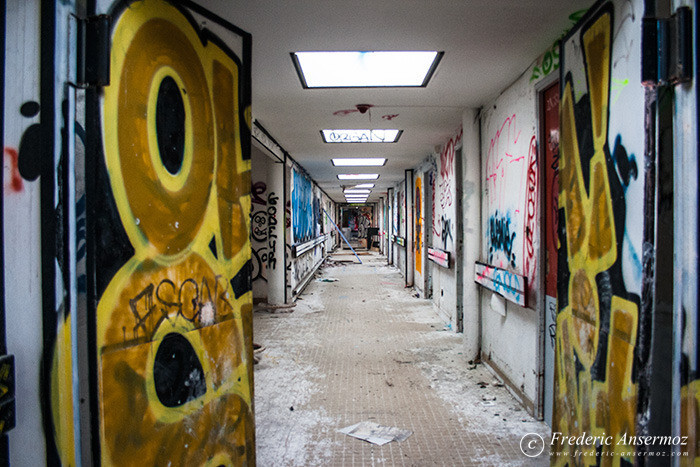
x=305, y=208
x=272, y=222
x=174, y=319
x=259, y=229
x=444, y=188
x=418, y=201
x=597, y=320
x=401, y=194
x=549, y=62
x=512, y=187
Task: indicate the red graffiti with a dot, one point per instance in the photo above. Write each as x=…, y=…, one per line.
x=16, y=184
x=530, y=261
x=436, y=232
x=390, y=117
x=500, y=155
x=553, y=142
x=447, y=162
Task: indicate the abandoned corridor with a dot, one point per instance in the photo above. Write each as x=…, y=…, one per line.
x=364, y=348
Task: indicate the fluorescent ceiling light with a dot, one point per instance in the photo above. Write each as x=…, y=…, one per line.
x=356, y=191
x=358, y=176
x=364, y=185
x=361, y=136
x=349, y=69
x=359, y=162
x=356, y=199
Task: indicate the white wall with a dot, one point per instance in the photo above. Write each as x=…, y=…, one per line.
x=22, y=243
x=444, y=227
x=259, y=221
x=471, y=231
x=508, y=149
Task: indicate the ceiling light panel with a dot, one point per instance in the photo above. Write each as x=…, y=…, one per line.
x=351, y=69
x=358, y=176
x=356, y=191
x=361, y=136
x=359, y=162
x=364, y=185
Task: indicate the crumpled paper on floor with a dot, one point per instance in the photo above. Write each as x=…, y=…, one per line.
x=375, y=433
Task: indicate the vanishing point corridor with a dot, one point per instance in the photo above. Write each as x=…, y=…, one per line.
x=363, y=348
x=518, y=179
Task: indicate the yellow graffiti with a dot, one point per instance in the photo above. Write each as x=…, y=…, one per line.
x=582, y=404
x=175, y=284
x=62, y=394
x=690, y=415
x=419, y=225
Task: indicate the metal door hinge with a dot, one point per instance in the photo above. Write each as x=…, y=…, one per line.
x=667, y=49
x=93, y=51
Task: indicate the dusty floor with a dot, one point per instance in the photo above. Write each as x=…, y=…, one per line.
x=363, y=348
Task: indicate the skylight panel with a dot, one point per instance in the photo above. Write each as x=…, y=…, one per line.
x=358, y=176
x=347, y=69
x=354, y=191
x=361, y=136
x=359, y=162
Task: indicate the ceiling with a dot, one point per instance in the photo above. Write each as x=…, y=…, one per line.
x=487, y=44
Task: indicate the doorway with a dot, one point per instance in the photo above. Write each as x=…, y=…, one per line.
x=549, y=153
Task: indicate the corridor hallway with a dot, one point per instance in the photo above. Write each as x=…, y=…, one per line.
x=365, y=349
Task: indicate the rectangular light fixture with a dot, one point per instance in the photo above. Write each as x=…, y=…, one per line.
x=364, y=185
x=356, y=191
x=358, y=176
x=359, y=162
x=361, y=136
x=352, y=69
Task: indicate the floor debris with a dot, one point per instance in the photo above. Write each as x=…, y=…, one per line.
x=375, y=433
x=327, y=279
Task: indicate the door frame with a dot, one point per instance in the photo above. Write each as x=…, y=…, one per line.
x=541, y=305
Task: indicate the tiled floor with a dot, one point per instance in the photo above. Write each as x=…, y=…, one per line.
x=363, y=348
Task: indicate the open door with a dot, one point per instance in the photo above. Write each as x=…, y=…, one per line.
x=549, y=152
x=168, y=239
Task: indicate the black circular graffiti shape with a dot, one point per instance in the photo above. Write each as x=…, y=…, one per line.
x=177, y=373
x=258, y=226
x=170, y=125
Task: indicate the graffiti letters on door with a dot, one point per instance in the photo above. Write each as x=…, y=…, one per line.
x=174, y=315
x=597, y=321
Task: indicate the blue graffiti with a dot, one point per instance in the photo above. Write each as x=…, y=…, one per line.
x=507, y=283
x=501, y=238
x=305, y=216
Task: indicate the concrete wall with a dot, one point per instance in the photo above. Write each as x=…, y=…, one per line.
x=259, y=222
x=308, y=224
x=305, y=227
x=444, y=234
x=472, y=237
x=510, y=238
x=400, y=258
x=21, y=223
